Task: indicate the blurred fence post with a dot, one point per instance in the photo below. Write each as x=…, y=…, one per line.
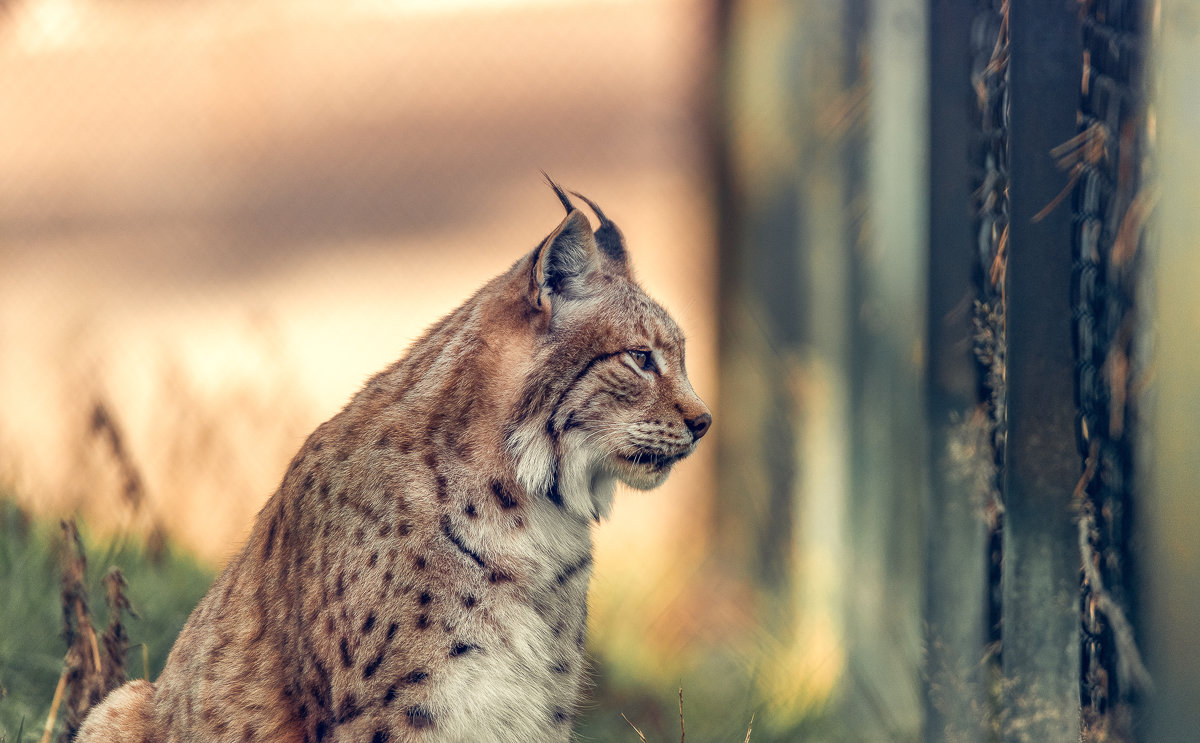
x=887, y=244
x=822, y=320
x=956, y=538
x=761, y=282
x=1040, y=580
x=1169, y=516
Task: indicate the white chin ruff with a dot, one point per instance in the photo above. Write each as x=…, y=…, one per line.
x=584, y=477
x=585, y=482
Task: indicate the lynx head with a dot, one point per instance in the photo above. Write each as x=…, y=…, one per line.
x=607, y=395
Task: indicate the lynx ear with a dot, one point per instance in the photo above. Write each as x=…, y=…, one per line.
x=566, y=257
x=608, y=237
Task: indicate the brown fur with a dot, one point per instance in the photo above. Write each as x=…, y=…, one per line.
x=421, y=574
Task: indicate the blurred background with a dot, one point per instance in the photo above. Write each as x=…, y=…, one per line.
x=941, y=468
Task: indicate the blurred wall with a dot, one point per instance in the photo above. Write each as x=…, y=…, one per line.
x=217, y=219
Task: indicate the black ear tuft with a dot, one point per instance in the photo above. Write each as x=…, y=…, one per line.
x=608, y=238
x=562, y=195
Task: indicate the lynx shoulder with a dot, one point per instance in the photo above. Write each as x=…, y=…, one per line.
x=421, y=573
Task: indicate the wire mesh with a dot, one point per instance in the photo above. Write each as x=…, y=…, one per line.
x=989, y=74
x=1110, y=201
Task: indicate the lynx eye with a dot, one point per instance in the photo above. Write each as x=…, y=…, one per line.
x=642, y=358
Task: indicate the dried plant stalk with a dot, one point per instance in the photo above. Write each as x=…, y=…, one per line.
x=635, y=727
x=116, y=640
x=682, y=730
x=83, y=672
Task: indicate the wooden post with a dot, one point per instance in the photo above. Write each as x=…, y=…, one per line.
x=1040, y=637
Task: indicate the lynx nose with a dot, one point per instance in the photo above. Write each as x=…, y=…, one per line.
x=699, y=425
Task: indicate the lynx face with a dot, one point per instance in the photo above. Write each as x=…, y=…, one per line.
x=632, y=414
x=627, y=410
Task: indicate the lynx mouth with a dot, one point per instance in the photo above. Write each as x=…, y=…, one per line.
x=655, y=460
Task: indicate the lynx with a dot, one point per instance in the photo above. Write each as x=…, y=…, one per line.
x=421, y=574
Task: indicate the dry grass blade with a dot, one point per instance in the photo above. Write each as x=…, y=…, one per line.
x=635, y=727
x=749, y=728
x=53, y=714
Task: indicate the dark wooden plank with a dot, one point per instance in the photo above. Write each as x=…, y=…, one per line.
x=1041, y=558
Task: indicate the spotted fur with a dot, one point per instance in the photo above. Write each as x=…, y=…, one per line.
x=422, y=572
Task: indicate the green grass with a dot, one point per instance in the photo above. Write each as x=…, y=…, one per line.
x=718, y=705
x=163, y=592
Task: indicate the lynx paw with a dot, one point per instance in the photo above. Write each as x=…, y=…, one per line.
x=125, y=716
